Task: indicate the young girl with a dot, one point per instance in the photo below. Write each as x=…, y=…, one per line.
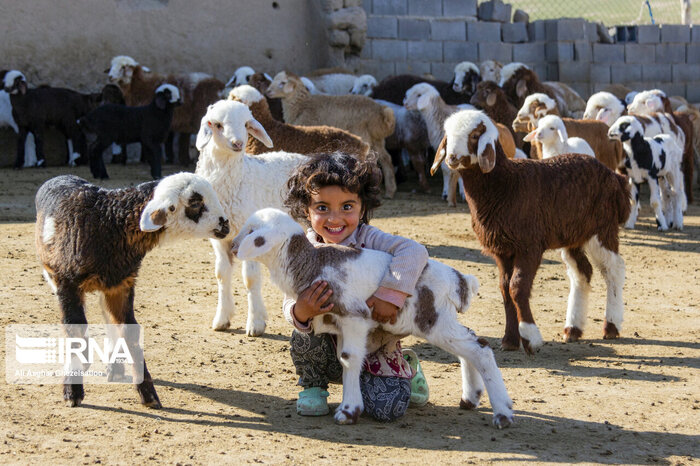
x=336, y=194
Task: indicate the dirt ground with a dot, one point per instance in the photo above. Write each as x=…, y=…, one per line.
x=230, y=399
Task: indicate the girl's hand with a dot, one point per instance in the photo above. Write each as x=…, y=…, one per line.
x=382, y=311
x=310, y=302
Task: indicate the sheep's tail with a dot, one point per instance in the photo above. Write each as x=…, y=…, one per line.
x=624, y=206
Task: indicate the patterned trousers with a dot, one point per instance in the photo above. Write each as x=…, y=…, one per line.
x=317, y=365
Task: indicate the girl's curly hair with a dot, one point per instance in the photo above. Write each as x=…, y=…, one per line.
x=334, y=169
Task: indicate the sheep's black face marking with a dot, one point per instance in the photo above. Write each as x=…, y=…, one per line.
x=259, y=241
x=159, y=217
x=195, y=207
x=426, y=315
x=624, y=136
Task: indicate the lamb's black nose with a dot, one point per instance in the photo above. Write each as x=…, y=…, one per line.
x=223, y=228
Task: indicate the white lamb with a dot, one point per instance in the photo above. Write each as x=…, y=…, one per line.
x=364, y=85
x=274, y=239
x=605, y=107
x=551, y=133
x=656, y=160
x=243, y=184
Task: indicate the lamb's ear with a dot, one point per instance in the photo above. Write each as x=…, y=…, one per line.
x=521, y=88
x=423, y=102
x=153, y=216
x=204, y=135
x=529, y=137
x=561, y=135
x=491, y=99
x=258, y=243
x=256, y=130
x=654, y=103
x=603, y=115
x=439, y=155
x=486, y=154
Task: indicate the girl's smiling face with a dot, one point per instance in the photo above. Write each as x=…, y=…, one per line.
x=334, y=213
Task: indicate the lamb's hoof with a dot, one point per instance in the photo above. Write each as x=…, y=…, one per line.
x=345, y=415
x=610, y=331
x=530, y=350
x=149, y=397
x=510, y=345
x=502, y=421
x=572, y=334
x=255, y=329
x=153, y=404
x=220, y=327
x=466, y=404
x=73, y=394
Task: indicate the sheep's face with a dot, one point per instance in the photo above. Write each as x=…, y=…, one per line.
x=364, y=85
x=282, y=85
x=167, y=94
x=536, y=106
x=185, y=205
x=121, y=70
x=246, y=94
x=486, y=94
x=241, y=76
x=604, y=107
x=625, y=128
x=470, y=141
x=420, y=96
x=227, y=125
x=466, y=77
x=490, y=70
x=15, y=83
x=263, y=234
x=646, y=102
x=549, y=130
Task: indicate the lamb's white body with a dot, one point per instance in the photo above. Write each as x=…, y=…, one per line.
x=605, y=107
x=364, y=85
x=243, y=184
x=274, y=239
x=334, y=83
x=551, y=132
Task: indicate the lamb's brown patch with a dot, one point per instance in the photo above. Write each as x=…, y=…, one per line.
x=582, y=263
x=159, y=217
x=483, y=342
x=463, y=290
x=466, y=404
x=572, y=334
x=610, y=332
x=426, y=314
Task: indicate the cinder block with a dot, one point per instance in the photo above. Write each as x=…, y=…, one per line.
x=528, y=53
x=674, y=33
x=495, y=10
x=648, y=34
x=444, y=71
x=536, y=31
x=670, y=88
x=496, y=51
x=692, y=53
x=424, y=51
x=367, y=6
x=378, y=69
x=573, y=71
x=460, y=51
x=413, y=67
x=551, y=72
x=483, y=32
x=583, y=51
x=640, y=53
x=685, y=72
x=625, y=73
x=388, y=50
x=414, y=29
x=608, y=53
x=514, y=32
x=692, y=93
x=583, y=89
x=444, y=29
x=519, y=16
x=382, y=27
x=560, y=52
x=591, y=32
x=390, y=7
x=451, y=8
x=661, y=73
x=670, y=53
x=600, y=74
x=695, y=34
x=565, y=29
x=431, y=8
x=366, y=51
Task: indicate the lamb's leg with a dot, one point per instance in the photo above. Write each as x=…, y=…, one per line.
x=120, y=305
x=446, y=185
x=418, y=163
x=169, y=156
x=154, y=149
x=476, y=354
x=612, y=267
x=387, y=167
x=679, y=201
x=524, y=269
x=667, y=200
x=224, y=263
x=580, y=271
x=351, y=353
x=511, y=339
x=21, y=141
x=634, y=212
x=257, y=314
x=71, y=301
x=655, y=201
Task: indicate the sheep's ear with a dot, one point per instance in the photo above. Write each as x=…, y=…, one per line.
x=153, y=217
x=258, y=243
x=653, y=103
x=486, y=154
x=529, y=137
x=204, y=135
x=423, y=102
x=256, y=130
x=521, y=88
x=603, y=115
x=561, y=135
x=491, y=99
x=439, y=155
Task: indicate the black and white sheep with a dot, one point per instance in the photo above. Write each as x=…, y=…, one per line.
x=656, y=160
x=120, y=124
x=521, y=208
x=272, y=238
x=90, y=238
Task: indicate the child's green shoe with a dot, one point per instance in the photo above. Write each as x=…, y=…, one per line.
x=312, y=402
x=419, y=385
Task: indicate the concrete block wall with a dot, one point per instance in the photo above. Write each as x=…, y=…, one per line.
x=432, y=36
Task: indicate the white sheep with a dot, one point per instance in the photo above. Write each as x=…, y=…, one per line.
x=244, y=184
x=551, y=133
x=364, y=85
x=272, y=238
x=605, y=107
x=656, y=160
x=240, y=77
